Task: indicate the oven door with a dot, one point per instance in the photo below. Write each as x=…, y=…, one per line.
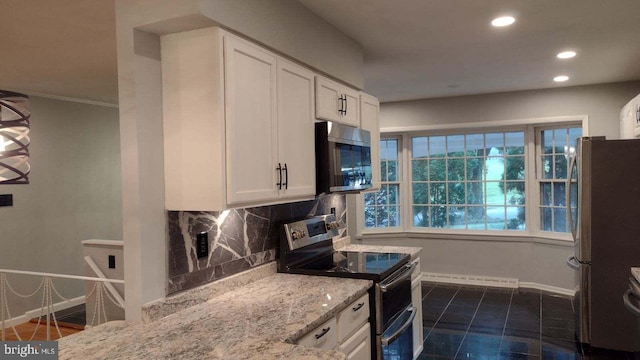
x=393, y=295
x=397, y=340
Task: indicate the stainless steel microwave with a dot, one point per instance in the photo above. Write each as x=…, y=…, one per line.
x=343, y=158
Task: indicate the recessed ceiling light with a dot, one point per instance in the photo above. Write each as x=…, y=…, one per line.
x=566, y=55
x=503, y=21
x=561, y=78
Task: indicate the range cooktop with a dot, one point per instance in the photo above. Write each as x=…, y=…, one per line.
x=351, y=264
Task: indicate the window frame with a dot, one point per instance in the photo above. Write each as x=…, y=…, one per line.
x=532, y=207
x=400, y=182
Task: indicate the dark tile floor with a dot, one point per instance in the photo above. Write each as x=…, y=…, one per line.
x=463, y=322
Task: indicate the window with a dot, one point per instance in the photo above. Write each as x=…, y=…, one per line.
x=472, y=181
x=382, y=208
x=487, y=178
x=556, y=147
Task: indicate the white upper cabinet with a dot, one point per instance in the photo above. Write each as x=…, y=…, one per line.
x=335, y=102
x=251, y=122
x=296, y=139
x=238, y=123
x=370, y=121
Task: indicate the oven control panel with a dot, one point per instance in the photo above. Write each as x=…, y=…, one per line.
x=313, y=230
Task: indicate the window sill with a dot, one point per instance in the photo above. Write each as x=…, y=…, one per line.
x=497, y=236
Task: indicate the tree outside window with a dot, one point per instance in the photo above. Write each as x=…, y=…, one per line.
x=382, y=208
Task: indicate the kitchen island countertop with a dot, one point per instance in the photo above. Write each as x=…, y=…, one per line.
x=260, y=320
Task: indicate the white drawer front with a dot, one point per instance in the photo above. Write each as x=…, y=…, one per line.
x=358, y=346
x=323, y=337
x=353, y=317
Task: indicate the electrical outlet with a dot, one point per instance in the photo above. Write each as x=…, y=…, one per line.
x=112, y=261
x=6, y=200
x=202, y=245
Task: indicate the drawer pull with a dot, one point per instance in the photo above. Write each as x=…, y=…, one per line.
x=358, y=307
x=323, y=332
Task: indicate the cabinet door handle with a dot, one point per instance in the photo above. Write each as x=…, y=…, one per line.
x=358, y=307
x=286, y=177
x=345, y=104
x=343, y=109
x=279, y=183
x=323, y=332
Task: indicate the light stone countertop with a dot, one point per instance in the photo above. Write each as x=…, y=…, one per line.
x=345, y=244
x=259, y=320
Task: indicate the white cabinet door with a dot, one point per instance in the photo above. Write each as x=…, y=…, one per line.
x=335, y=102
x=296, y=141
x=370, y=121
x=358, y=346
x=351, y=114
x=251, y=122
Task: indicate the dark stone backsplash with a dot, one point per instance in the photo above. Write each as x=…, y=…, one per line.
x=239, y=239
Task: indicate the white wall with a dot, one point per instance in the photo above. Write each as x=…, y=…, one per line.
x=537, y=261
x=74, y=194
x=602, y=103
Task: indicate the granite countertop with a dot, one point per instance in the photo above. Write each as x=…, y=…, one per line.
x=345, y=244
x=260, y=320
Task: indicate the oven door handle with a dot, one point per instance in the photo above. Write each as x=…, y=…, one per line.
x=388, y=340
x=407, y=271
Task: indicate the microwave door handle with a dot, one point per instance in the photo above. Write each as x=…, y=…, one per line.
x=408, y=270
x=388, y=340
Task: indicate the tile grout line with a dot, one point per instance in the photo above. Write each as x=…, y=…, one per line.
x=470, y=322
x=441, y=313
x=504, y=327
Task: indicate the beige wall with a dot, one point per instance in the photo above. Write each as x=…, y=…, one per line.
x=74, y=194
x=602, y=103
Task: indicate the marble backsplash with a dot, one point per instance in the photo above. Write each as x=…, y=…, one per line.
x=239, y=239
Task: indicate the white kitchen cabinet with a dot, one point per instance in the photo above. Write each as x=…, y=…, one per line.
x=238, y=122
x=353, y=317
x=358, y=346
x=630, y=119
x=370, y=121
x=348, y=332
x=336, y=102
x=416, y=301
x=296, y=139
x=251, y=122
x=323, y=337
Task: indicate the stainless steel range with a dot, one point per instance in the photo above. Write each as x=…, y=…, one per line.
x=306, y=247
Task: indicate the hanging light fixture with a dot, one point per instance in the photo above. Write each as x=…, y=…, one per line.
x=14, y=138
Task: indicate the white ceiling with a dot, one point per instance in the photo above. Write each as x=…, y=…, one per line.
x=432, y=48
x=413, y=48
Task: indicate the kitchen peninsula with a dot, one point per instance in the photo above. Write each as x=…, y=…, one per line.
x=262, y=320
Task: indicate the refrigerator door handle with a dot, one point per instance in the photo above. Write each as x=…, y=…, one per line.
x=627, y=302
x=568, y=194
x=573, y=262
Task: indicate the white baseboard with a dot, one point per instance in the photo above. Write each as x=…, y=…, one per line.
x=36, y=312
x=471, y=280
x=510, y=283
x=548, y=288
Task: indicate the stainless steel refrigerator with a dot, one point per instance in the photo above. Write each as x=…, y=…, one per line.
x=604, y=212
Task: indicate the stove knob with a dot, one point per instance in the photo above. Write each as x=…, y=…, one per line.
x=298, y=234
